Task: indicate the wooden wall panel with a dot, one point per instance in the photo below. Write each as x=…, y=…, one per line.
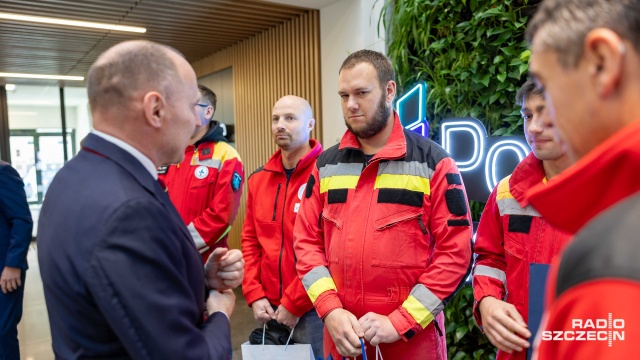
x=280, y=61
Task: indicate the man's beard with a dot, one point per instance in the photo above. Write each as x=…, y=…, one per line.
x=378, y=122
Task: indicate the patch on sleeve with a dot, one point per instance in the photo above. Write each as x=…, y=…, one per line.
x=462, y=222
x=236, y=181
x=162, y=170
x=454, y=179
x=456, y=201
x=520, y=223
x=310, y=184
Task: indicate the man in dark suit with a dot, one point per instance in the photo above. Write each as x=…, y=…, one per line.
x=15, y=236
x=122, y=277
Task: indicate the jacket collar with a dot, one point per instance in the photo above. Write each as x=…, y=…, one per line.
x=597, y=181
x=396, y=146
x=101, y=147
x=96, y=144
x=526, y=175
x=275, y=161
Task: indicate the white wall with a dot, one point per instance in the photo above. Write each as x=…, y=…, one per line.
x=345, y=27
x=221, y=83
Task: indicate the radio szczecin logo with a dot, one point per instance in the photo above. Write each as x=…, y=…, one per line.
x=608, y=330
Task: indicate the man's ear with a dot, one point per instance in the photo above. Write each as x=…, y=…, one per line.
x=154, y=107
x=390, y=91
x=210, y=111
x=312, y=123
x=604, y=53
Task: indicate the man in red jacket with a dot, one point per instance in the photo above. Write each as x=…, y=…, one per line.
x=271, y=285
x=512, y=235
x=585, y=55
x=206, y=186
x=383, y=237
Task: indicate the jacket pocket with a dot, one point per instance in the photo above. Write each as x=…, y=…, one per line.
x=401, y=240
x=332, y=226
x=517, y=270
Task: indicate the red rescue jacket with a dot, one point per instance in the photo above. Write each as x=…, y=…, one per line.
x=267, y=233
x=510, y=237
x=392, y=237
x=205, y=188
x=597, y=276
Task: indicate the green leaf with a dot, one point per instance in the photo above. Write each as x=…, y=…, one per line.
x=485, y=80
x=525, y=56
x=497, y=59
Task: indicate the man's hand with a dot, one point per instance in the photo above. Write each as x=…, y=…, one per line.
x=224, y=269
x=10, y=279
x=262, y=310
x=502, y=325
x=345, y=331
x=223, y=301
x=378, y=329
x=283, y=316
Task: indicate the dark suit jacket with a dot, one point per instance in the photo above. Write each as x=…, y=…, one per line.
x=15, y=219
x=122, y=277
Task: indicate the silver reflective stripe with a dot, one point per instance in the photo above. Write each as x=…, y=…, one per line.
x=212, y=163
x=314, y=275
x=427, y=299
x=197, y=238
x=405, y=168
x=341, y=169
x=510, y=206
x=491, y=272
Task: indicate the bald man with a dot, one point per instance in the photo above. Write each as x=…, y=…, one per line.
x=122, y=277
x=271, y=285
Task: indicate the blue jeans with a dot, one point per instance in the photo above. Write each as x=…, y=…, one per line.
x=309, y=331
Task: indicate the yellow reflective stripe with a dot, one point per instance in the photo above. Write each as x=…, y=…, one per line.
x=417, y=311
x=503, y=189
x=223, y=151
x=321, y=285
x=407, y=182
x=338, y=182
x=225, y=233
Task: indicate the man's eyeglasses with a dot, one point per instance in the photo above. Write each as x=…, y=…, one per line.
x=204, y=106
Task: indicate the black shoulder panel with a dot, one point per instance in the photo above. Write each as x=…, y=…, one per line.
x=421, y=149
x=608, y=247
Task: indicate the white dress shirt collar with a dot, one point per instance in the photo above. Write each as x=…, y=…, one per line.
x=145, y=161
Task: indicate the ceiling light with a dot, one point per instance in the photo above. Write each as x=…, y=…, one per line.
x=57, y=21
x=39, y=76
x=10, y=87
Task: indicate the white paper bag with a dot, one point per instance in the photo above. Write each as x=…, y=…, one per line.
x=277, y=352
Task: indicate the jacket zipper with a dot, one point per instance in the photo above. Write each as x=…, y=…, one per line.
x=284, y=201
x=275, y=204
x=422, y=226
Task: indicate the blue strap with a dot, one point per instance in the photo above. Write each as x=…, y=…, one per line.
x=364, y=353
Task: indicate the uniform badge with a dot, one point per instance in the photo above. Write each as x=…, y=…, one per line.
x=201, y=172
x=237, y=180
x=162, y=170
x=205, y=154
x=301, y=191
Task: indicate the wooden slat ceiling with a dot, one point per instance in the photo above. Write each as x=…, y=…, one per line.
x=197, y=28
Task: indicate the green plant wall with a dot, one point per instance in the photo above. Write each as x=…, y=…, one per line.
x=473, y=58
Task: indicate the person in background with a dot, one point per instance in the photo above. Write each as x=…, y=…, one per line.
x=512, y=235
x=121, y=275
x=207, y=185
x=271, y=285
x=586, y=60
x=15, y=236
x=383, y=235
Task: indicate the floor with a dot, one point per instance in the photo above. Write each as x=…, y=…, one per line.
x=35, y=336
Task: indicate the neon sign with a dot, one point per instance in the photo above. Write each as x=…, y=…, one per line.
x=482, y=160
